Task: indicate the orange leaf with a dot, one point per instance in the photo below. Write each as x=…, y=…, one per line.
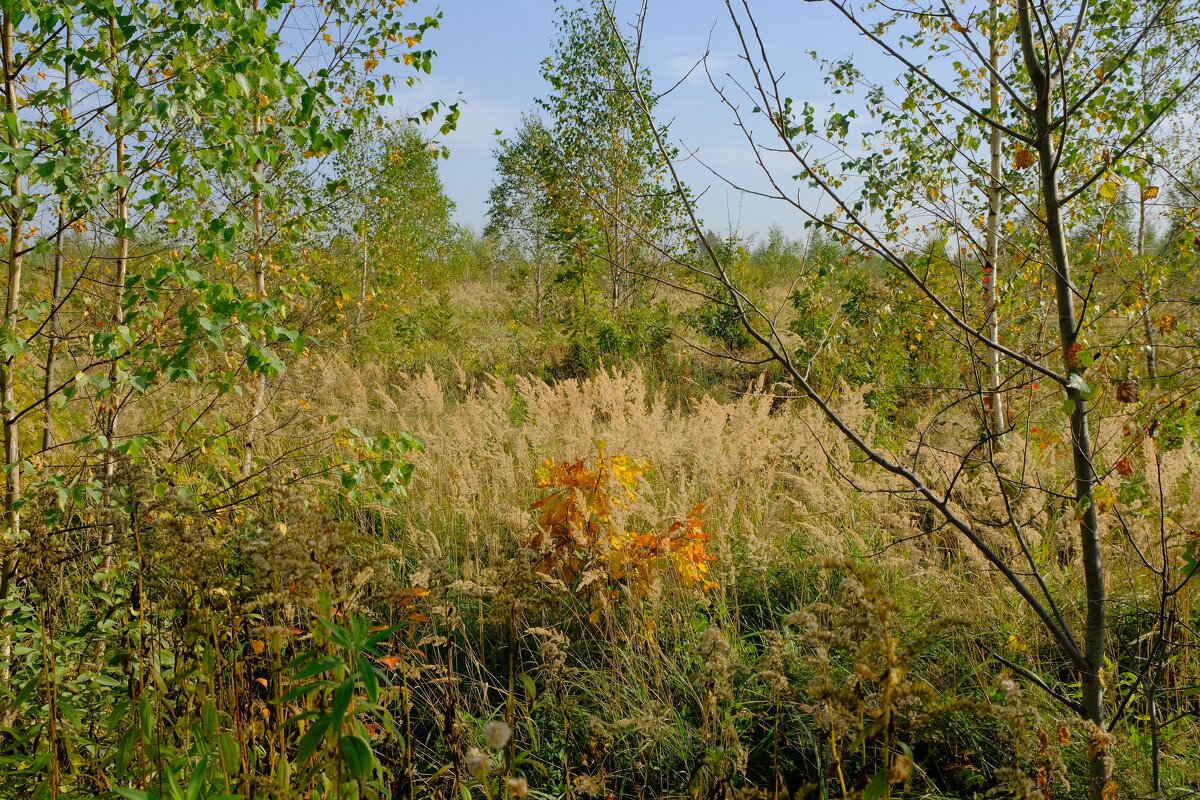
x=1073, y=352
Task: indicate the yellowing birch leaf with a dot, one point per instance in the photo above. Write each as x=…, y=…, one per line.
x=1108, y=190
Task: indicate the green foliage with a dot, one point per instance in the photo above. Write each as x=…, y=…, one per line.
x=722, y=323
x=397, y=234
x=222, y=579
x=154, y=160
x=581, y=196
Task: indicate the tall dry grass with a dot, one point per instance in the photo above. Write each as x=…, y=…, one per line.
x=778, y=479
x=765, y=477
x=783, y=492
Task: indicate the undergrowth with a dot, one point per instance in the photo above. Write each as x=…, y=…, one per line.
x=584, y=592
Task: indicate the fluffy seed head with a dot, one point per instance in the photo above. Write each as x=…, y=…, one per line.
x=477, y=763
x=496, y=734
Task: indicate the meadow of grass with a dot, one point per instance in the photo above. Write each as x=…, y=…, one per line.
x=667, y=577
x=842, y=634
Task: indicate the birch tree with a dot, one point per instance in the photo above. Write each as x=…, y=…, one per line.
x=1072, y=119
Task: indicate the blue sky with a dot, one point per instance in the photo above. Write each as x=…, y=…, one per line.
x=490, y=53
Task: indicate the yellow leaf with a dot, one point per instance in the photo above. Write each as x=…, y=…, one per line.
x=1150, y=193
x=257, y=646
x=1023, y=158
x=1108, y=190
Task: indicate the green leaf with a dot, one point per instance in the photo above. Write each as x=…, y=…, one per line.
x=14, y=347
x=145, y=716
x=336, y=633
x=527, y=683
x=380, y=636
x=341, y=702
x=133, y=447
x=877, y=787
x=231, y=756
x=358, y=756
x=1191, y=559
x=319, y=665
x=171, y=784
x=301, y=690
x=208, y=711
x=1080, y=385
x=197, y=781
x=124, y=747
x=369, y=678
x=132, y=794
x=312, y=739
x=12, y=125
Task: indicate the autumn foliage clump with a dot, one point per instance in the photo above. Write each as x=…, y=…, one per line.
x=583, y=538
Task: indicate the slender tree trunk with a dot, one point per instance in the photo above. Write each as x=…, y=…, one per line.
x=991, y=290
x=1090, y=678
x=612, y=248
x=120, y=273
x=1155, y=738
x=49, y=670
x=362, y=280
x=1144, y=293
x=12, y=433
x=1143, y=271
x=260, y=287
x=55, y=292
x=121, y=263
x=537, y=290
x=110, y=408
